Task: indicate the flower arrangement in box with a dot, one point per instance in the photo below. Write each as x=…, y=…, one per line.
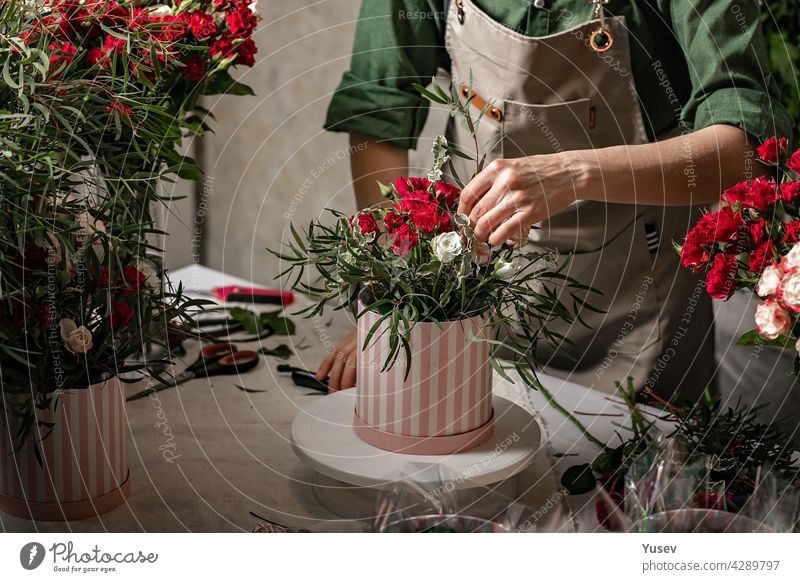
x=96, y=96
x=433, y=307
x=753, y=242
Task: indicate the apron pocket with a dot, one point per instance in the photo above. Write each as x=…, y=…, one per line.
x=546, y=128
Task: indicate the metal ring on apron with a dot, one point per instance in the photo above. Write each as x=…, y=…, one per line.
x=601, y=38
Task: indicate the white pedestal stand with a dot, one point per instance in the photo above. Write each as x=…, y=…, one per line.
x=323, y=438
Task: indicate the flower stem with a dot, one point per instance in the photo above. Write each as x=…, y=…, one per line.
x=552, y=401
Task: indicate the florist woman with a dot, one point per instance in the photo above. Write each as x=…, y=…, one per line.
x=606, y=124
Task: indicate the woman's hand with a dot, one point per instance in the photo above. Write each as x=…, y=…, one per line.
x=340, y=365
x=510, y=196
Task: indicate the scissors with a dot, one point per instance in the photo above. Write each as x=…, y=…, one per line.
x=221, y=359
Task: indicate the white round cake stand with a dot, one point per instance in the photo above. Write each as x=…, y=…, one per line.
x=323, y=438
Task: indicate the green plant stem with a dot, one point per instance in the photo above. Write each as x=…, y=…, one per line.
x=585, y=431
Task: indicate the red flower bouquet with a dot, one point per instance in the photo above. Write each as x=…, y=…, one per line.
x=751, y=242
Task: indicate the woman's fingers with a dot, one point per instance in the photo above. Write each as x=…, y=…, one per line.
x=476, y=189
x=491, y=220
x=325, y=367
x=349, y=375
x=335, y=377
x=515, y=228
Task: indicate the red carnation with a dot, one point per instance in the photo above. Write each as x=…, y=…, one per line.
x=64, y=53
x=425, y=217
x=366, y=223
x=407, y=185
x=241, y=21
x=393, y=220
x=719, y=279
x=771, y=150
x=412, y=199
x=133, y=279
x=761, y=195
x=95, y=55
x=246, y=53
x=792, y=235
x=693, y=255
x=113, y=44
x=761, y=257
x=736, y=194
x=758, y=231
x=794, y=162
x=790, y=191
x=195, y=69
x=721, y=226
x=202, y=25
x=448, y=192
x=405, y=239
x=121, y=314
x=221, y=47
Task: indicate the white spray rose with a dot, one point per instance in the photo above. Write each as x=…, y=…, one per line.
x=789, y=290
x=505, y=269
x=769, y=281
x=78, y=340
x=160, y=10
x=146, y=268
x=772, y=320
x=447, y=246
x=792, y=258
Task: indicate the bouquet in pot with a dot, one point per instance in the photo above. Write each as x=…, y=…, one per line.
x=97, y=96
x=753, y=242
x=413, y=259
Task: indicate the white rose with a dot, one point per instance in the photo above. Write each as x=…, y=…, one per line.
x=78, y=340
x=146, y=268
x=769, y=281
x=789, y=290
x=505, y=269
x=447, y=246
x=771, y=319
x=255, y=7
x=160, y=10
x=792, y=258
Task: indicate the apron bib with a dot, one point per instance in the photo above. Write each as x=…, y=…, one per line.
x=556, y=93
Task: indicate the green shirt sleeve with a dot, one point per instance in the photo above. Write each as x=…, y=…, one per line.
x=728, y=67
x=397, y=43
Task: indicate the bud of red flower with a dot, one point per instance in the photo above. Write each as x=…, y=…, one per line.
x=794, y=162
x=772, y=150
x=120, y=314
x=719, y=279
x=194, y=69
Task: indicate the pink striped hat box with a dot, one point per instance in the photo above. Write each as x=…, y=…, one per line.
x=84, y=468
x=445, y=404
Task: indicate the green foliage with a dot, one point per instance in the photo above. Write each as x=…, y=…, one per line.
x=83, y=149
x=781, y=24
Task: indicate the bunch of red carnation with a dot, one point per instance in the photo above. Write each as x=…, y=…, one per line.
x=757, y=223
x=194, y=36
x=420, y=209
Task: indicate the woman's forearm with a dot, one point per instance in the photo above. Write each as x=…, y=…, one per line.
x=371, y=162
x=689, y=169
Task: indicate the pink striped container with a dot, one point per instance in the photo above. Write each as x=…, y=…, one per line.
x=444, y=405
x=84, y=467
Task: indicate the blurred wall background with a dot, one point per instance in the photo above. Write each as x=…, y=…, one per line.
x=269, y=157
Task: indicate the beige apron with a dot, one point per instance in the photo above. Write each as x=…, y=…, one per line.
x=556, y=93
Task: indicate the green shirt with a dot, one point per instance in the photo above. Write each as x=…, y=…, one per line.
x=705, y=56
